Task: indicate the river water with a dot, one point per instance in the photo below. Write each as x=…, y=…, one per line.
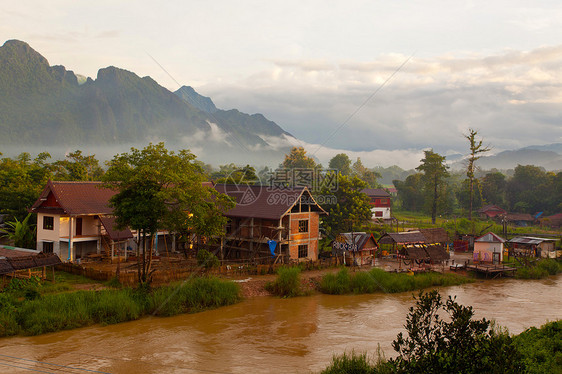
x=267, y=334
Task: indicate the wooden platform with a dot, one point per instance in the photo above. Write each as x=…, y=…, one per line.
x=492, y=269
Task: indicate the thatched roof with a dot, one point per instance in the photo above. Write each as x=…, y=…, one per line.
x=437, y=253
x=414, y=253
x=410, y=237
x=19, y=260
x=5, y=266
x=435, y=235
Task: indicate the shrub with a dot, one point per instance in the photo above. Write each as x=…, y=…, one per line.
x=542, y=348
x=552, y=266
x=336, y=284
x=287, y=283
x=207, y=259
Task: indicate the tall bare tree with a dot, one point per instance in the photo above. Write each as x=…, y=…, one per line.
x=476, y=150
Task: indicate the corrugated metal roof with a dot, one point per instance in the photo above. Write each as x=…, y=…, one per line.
x=360, y=238
x=529, y=240
x=490, y=238
x=264, y=201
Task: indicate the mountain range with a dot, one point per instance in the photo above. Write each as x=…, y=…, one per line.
x=45, y=107
x=48, y=105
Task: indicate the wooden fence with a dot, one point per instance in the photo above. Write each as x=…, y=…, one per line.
x=160, y=276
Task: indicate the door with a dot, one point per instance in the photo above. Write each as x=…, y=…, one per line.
x=496, y=258
x=78, y=226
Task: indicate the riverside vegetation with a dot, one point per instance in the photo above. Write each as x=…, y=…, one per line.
x=288, y=282
x=26, y=307
x=463, y=345
x=378, y=280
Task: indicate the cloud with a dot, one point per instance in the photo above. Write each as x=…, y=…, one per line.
x=512, y=98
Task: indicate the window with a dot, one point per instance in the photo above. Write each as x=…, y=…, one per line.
x=48, y=223
x=303, y=251
x=47, y=247
x=378, y=213
x=303, y=225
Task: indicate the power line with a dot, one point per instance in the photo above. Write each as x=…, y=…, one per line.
x=363, y=104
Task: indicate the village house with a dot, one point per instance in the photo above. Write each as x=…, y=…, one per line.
x=488, y=248
x=357, y=248
x=287, y=219
x=490, y=212
x=74, y=221
x=379, y=200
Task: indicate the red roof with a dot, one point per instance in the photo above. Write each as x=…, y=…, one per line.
x=109, y=225
x=73, y=198
x=265, y=201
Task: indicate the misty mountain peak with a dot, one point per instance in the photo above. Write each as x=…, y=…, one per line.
x=203, y=103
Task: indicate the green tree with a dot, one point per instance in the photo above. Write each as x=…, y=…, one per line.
x=341, y=163
x=77, y=167
x=476, y=151
x=366, y=175
x=297, y=159
x=240, y=175
x=410, y=192
x=493, y=188
x=160, y=189
x=21, y=182
x=21, y=233
x=527, y=189
x=434, y=173
x=463, y=195
x=458, y=344
x=351, y=208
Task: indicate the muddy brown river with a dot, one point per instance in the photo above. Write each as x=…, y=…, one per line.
x=266, y=334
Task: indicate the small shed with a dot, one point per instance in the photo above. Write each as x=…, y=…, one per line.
x=534, y=247
x=392, y=240
x=13, y=259
x=488, y=248
x=413, y=253
x=359, y=247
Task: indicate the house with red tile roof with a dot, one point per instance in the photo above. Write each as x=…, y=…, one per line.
x=288, y=219
x=74, y=220
x=379, y=200
x=491, y=211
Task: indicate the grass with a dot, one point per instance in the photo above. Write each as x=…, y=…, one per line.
x=357, y=363
x=287, y=283
x=36, y=313
x=539, y=270
x=378, y=280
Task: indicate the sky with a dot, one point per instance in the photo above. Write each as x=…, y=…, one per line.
x=380, y=80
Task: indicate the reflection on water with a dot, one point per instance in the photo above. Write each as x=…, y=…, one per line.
x=274, y=335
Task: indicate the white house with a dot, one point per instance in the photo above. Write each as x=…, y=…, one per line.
x=488, y=248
